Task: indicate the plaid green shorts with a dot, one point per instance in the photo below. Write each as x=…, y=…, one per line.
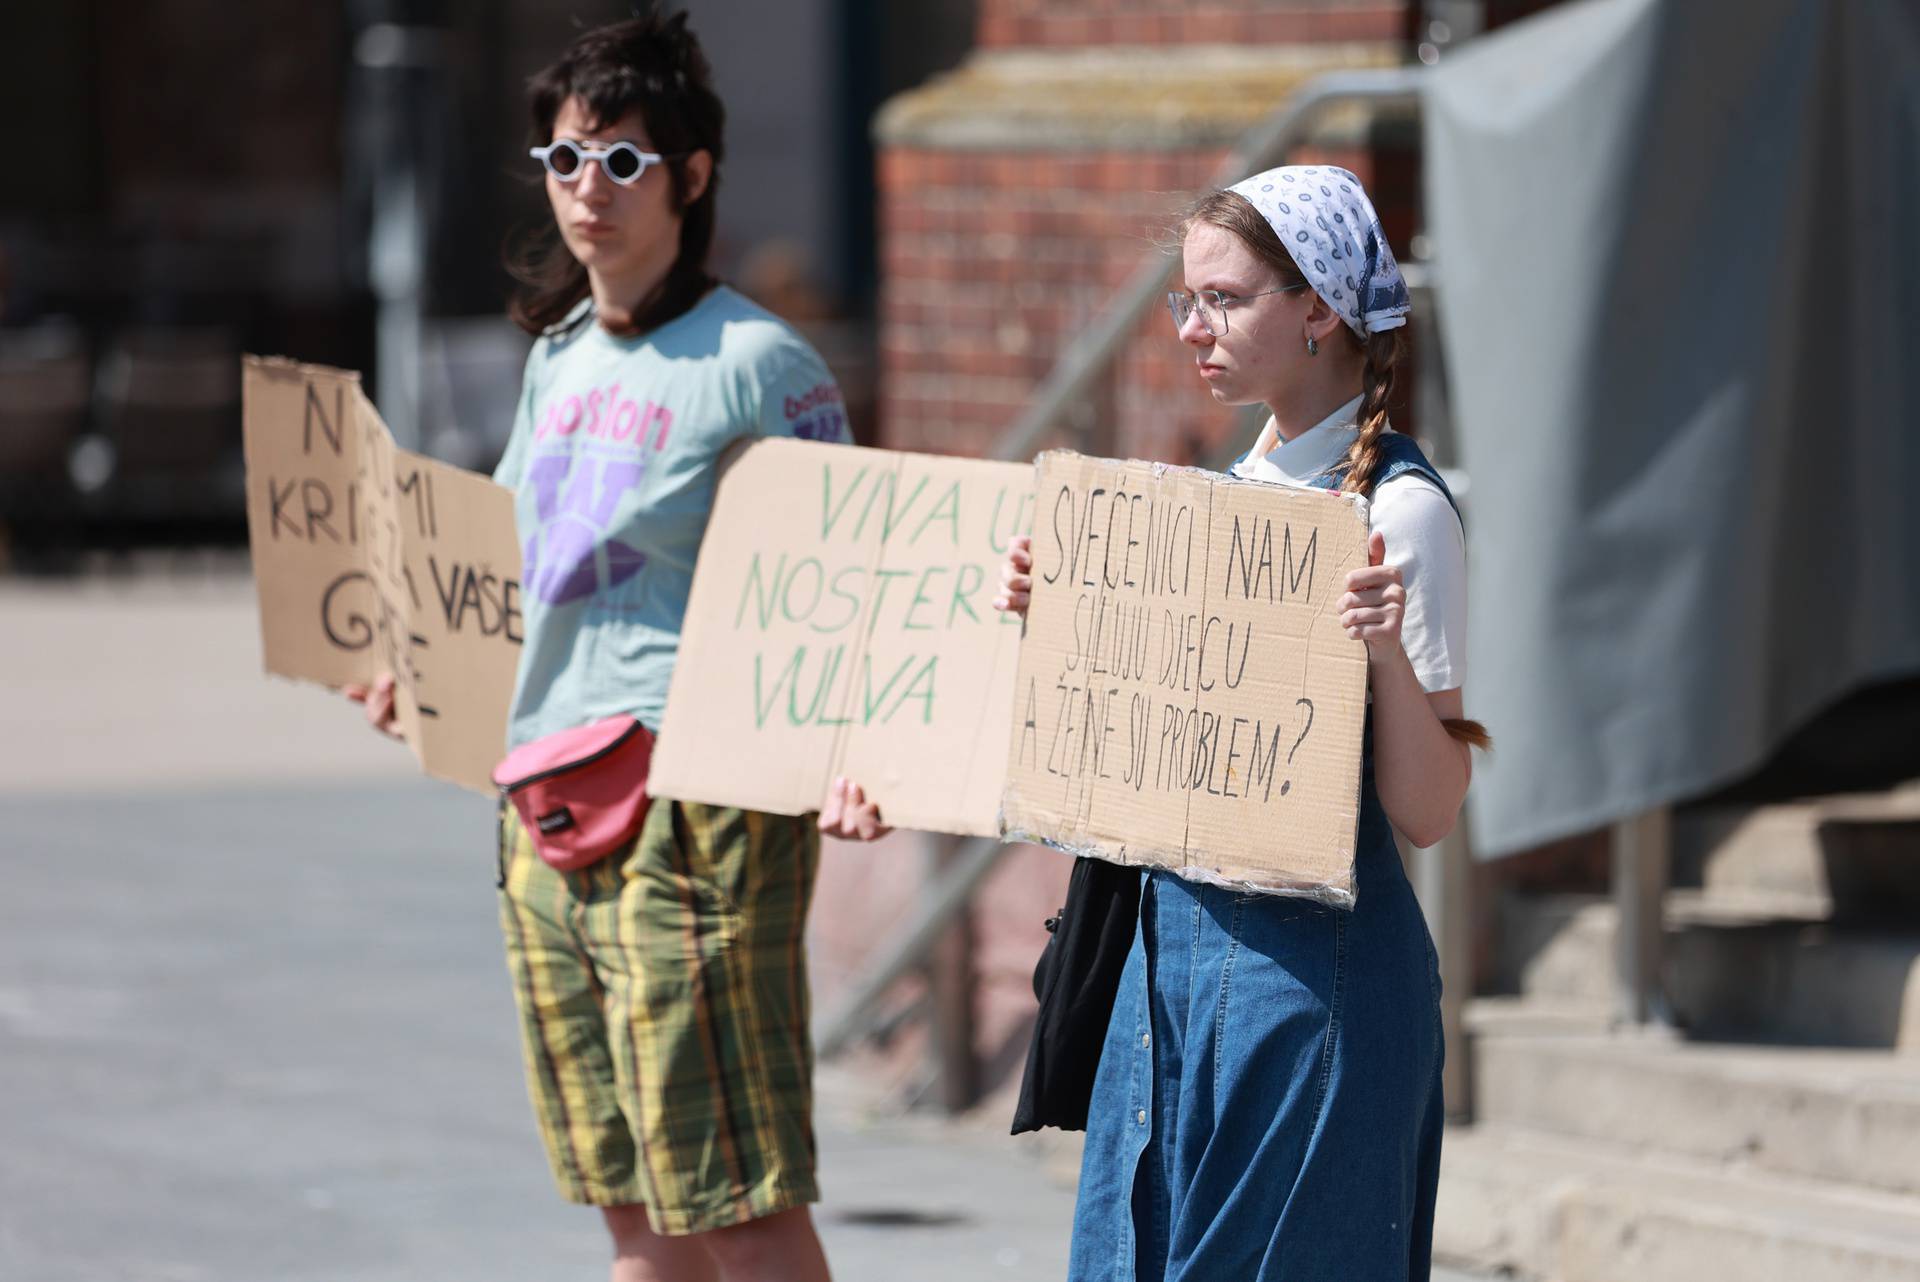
x=663, y=1011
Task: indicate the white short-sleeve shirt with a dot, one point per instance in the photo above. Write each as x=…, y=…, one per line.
x=1423, y=535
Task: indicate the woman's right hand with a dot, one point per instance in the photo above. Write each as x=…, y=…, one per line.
x=377, y=699
x=1016, y=576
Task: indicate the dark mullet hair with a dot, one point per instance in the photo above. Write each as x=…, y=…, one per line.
x=652, y=64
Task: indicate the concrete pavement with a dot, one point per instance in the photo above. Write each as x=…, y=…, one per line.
x=266, y=1034
x=253, y=1018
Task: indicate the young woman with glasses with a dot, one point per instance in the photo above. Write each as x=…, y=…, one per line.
x=1268, y=1104
x=662, y=991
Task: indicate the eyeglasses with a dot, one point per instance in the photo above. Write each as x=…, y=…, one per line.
x=1212, y=306
x=623, y=162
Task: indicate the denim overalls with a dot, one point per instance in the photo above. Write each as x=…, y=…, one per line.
x=1268, y=1102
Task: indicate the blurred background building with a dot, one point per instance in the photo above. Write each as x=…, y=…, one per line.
x=1692, y=1047
x=337, y=182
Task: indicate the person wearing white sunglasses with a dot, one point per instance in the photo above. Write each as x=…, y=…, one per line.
x=662, y=992
x=634, y=223
x=622, y=161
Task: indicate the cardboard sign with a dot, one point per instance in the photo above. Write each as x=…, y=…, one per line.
x=1186, y=696
x=369, y=558
x=842, y=622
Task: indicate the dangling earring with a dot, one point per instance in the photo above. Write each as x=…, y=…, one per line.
x=1313, y=345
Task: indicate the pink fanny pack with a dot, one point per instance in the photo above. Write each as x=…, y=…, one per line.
x=582, y=793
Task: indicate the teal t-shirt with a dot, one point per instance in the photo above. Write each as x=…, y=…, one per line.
x=613, y=461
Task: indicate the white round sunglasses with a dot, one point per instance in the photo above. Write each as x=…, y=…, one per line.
x=622, y=161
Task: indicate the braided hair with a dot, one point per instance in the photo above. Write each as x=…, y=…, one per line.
x=1384, y=352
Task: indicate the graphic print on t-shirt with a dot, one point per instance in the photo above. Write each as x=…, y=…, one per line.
x=578, y=489
x=612, y=461
x=819, y=414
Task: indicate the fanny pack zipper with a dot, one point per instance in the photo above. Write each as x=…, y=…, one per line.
x=637, y=727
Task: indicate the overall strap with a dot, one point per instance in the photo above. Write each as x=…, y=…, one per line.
x=1398, y=456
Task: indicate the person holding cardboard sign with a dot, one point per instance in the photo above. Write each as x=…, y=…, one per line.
x=657, y=950
x=1267, y=1097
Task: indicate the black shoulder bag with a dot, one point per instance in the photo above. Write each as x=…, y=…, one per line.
x=1075, y=980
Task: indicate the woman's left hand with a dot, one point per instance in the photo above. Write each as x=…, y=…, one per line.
x=1374, y=602
x=848, y=814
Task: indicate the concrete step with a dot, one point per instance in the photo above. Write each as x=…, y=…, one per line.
x=1550, y=1209
x=1848, y=1116
x=1858, y=852
x=1555, y=947
x=1741, y=963
x=1782, y=980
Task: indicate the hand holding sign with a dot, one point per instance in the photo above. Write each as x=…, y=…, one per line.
x=1375, y=600
x=1016, y=577
x=848, y=814
x=383, y=713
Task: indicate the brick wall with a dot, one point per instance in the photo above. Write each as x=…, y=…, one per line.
x=1055, y=23
x=993, y=261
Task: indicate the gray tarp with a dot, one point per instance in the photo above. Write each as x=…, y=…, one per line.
x=1678, y=255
